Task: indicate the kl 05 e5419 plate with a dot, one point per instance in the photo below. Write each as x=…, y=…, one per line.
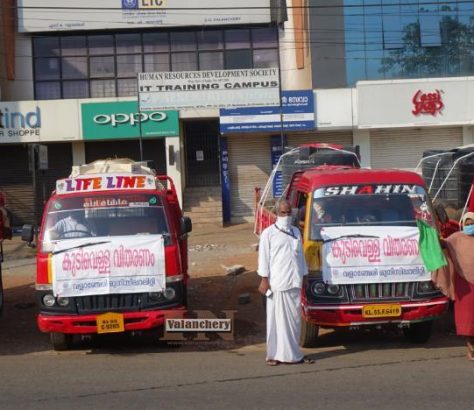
x=110, y=323
x=373, y=311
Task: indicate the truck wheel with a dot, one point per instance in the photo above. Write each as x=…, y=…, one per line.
x=309, y=334
x=60, y=341
x=418, y=332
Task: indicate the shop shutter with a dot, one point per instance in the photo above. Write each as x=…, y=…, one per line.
x=403, y=148
x=333, y=137
x=16, y=183
x=59, y=166
x=250, y=166
x=16, y=179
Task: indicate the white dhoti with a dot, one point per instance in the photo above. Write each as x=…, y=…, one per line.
x=284, y=326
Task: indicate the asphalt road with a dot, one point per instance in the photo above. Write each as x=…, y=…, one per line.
x=351, y=370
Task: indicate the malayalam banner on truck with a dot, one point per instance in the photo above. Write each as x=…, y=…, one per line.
x=98, y=266
x=372, y=254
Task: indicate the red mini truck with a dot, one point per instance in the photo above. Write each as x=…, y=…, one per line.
x=112, y=252
x=360, y=239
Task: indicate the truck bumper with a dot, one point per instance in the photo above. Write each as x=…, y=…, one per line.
x=87, y=324
x=351, y=315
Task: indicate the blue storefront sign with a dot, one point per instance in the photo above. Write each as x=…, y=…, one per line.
x=277, y=150
x=225, y=180
x=296, y=114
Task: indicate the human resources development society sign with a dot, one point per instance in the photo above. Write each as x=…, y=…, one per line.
x=208, y=89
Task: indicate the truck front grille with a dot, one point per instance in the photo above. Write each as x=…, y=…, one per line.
x=381, y=291
x=105, y=303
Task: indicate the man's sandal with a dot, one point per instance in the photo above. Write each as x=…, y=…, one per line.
x=272, y=362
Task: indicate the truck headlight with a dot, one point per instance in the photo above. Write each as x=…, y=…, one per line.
x=154, y=296
x=169, y=293
x=63, y=302
x=318, y=288
x=49, y=300
x=333, y=289
x=426, y=287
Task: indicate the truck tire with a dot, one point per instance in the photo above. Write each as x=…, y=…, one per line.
x=418, y=333
x=60, y=341
x=309, y=334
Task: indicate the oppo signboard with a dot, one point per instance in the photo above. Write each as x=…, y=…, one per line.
x=122, y=120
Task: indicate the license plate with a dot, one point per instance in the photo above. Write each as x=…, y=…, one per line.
x=110, y=323
x=372, y=311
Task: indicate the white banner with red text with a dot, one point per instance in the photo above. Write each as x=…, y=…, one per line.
x=371, y=254
x=100, y=266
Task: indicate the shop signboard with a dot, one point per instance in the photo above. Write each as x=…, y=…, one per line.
x=416, y=103
x=295, y=114
x=122, y=120
x=225, y=179
x=38, y=121
x=58, y=15
x=209, y=89
x=276, y=145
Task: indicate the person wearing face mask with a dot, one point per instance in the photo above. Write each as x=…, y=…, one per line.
x=460, y=247
x=282, y=268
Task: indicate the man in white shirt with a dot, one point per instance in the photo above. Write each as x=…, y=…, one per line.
x=282, y=266
x=72, y=226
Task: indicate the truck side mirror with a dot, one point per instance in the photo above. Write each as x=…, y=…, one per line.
x=27, y=233
x=186, y=225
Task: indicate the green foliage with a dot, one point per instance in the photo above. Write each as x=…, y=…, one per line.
x=454, y=57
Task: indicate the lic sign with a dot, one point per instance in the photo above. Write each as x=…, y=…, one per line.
x=117, y=120
x=142, y=4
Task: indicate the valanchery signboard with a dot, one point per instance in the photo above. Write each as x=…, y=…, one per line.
x=119, y=120
x=209, y=89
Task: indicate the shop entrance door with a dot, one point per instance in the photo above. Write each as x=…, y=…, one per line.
x=202, y=153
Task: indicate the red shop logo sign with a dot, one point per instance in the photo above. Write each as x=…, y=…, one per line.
x=427, y=103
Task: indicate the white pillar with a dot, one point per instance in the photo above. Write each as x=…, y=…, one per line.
x=467, y=135
x=173, y=165
x=78, y=153
x=362, y=139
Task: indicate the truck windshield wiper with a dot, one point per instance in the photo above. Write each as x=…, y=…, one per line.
x=80, y=246
x=350, y=236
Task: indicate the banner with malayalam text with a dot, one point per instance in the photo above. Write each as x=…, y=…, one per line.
x=99, y=266
x=371, y=254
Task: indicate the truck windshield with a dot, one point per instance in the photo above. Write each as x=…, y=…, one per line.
x=104, y=215
x=336, y=206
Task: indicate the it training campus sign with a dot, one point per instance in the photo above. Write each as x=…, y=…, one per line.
x=208, y=89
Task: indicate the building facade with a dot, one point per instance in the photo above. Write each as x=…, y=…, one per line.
x=69, y=82
x=404, y=67
x=390, y=76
